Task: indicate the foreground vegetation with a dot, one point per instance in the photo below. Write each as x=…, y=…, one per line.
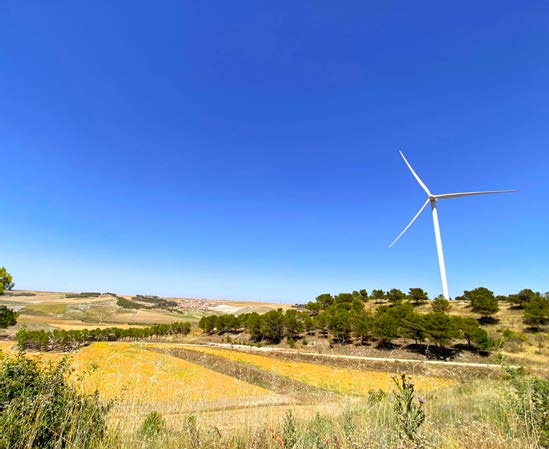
x=118, y=392
x=41, y=408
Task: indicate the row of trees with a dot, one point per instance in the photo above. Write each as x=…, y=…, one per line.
x=483, y=301
x=65, y=340
x=346, y=320
x=394, y=296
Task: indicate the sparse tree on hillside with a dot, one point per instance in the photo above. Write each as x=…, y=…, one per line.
x=272, y=326
x=308, y=323
x=413, y=326
x=467, y=327
x=377, y=295
x=6, y=280
x=524, y=296
x=253, y=324
x=482, y=300
x=441, y=304
x=292, y=324
x=536, y=312
x=344, y=298
x=361, y=325
x=362, y=295
x=439, y=328
x=417, y=295
x=396, y=296
x=322, y=302
x=339, y=324
x=385, y=327
x=321, y=323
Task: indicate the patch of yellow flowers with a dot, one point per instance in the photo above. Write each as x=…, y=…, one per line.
x=340, y=380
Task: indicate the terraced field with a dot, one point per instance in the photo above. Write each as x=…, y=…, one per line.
x=141, y=381
x=336, y=379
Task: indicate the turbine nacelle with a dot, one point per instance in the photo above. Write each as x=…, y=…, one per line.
x=433, y=200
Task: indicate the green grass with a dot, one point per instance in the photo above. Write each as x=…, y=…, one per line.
x=44, y=309
x=8, y=302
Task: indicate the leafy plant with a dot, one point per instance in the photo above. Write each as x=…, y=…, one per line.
x=153, y=425
x=7, y=317
x=289, y=434
x=192, y=432
x=408, y=409
x=40, y=408
x=530, y=400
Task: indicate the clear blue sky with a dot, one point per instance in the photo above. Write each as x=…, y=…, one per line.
x=249, y=150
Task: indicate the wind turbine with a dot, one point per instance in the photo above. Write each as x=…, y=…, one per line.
x=433, y=200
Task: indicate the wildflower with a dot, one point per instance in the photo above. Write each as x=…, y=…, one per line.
x=421, y=400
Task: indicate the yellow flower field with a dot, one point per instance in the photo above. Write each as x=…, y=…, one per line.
x=133, y=373
x=341, y=380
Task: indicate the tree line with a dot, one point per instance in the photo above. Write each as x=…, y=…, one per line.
x=344, y=318
x=66, y=340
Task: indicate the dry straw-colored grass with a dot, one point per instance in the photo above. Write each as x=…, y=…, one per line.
x=340, y=380
x=143, y=374
x=128, y=371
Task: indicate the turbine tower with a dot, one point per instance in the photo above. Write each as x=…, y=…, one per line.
x=433, y=200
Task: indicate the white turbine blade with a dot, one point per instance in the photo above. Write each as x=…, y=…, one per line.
x=415, y=175
x=455, y=195
x=410, y=224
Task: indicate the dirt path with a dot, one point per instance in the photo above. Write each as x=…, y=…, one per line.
x=316, y=356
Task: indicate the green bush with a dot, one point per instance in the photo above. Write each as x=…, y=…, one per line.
x=127, y=304
x=530, y=400
x=7, y=317
x=289, y=430
x=153, y=425
x=83, y=295
x=40, y=409
x=408, y=409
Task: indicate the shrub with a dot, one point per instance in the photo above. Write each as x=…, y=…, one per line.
x=375, y=396
x=409, y=413
x=192, y=432
x=7, y=317
x=153, y=425
x=289, y=434
x=39, y=408
x=530, y=400
x=441, y=304
x=127, y=304
x=83, y=295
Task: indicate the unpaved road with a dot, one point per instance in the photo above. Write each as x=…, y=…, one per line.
x=245, y=348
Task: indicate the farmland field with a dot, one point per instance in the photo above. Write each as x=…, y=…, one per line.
x=339, y=380
x=232, y=390
x=56, y=310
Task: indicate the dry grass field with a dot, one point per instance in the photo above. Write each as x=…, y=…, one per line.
x=339, y=380
x=57, y=310
x=233, y=393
